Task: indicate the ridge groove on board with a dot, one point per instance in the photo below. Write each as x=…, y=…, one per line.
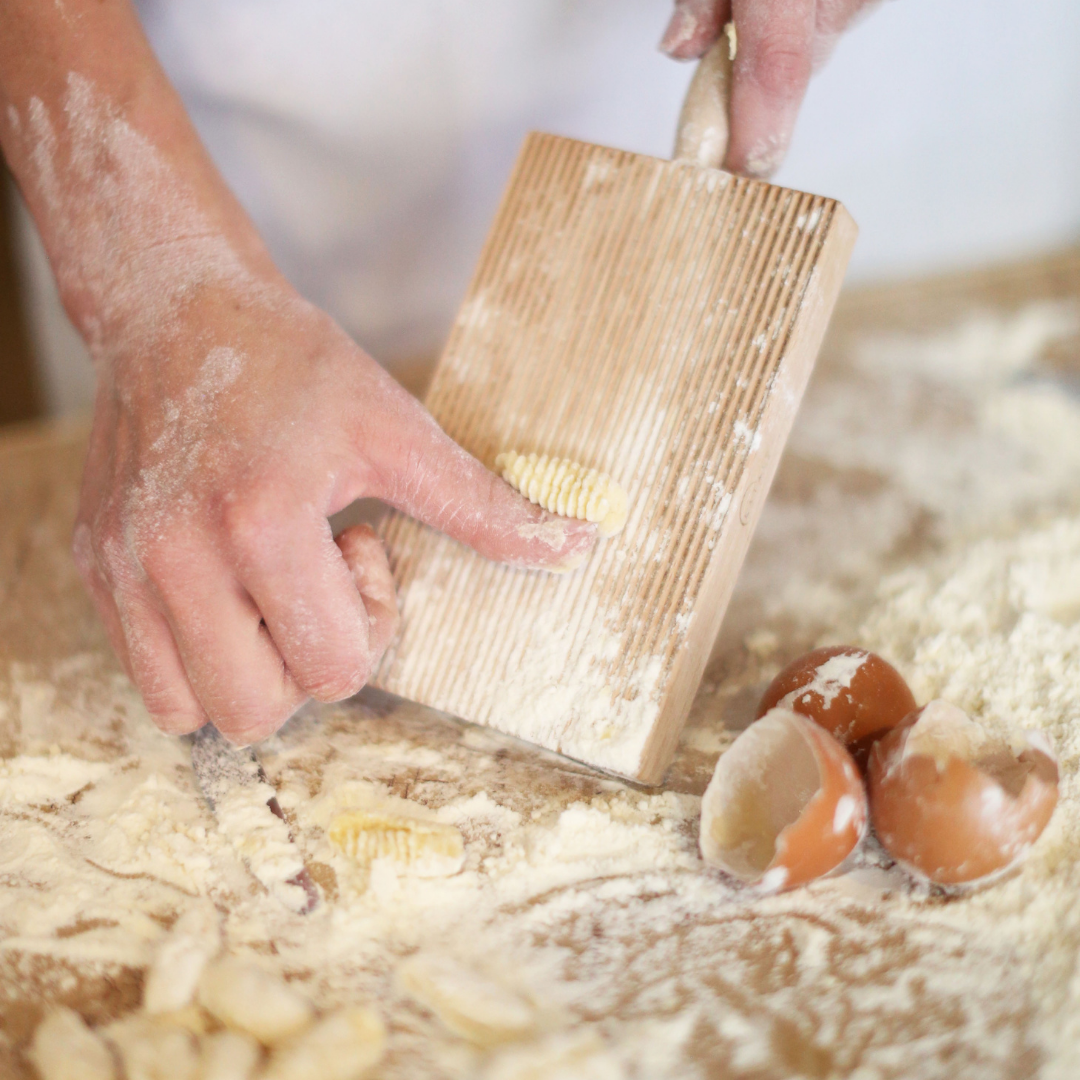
x=692, y=530
x=634, y=315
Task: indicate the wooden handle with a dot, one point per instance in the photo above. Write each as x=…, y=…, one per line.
x=702, y=133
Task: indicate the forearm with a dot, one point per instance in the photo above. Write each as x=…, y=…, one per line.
x=134, y=216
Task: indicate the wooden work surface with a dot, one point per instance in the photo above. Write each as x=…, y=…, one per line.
x=766, y=989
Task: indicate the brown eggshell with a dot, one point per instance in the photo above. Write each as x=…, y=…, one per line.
x=953, y=803
x=785, y=805
x=854, y=694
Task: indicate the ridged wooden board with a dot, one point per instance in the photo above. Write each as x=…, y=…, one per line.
x=659, y=321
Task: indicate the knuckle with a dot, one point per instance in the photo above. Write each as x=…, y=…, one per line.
x=359, y=542
x=250, y=522
x=331, y=672
x=251, y=709
x=242, y=721
x=174, y=721
x=152, y=550
x=248, y=721
x=111, y=553
x=781, y=65
x=171, y=707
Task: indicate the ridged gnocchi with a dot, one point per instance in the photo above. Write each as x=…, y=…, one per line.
x=564, y=487
x=426, y=848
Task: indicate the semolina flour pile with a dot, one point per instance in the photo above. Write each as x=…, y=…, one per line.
x=928, y=508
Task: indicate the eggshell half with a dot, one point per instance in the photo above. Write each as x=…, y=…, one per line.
x=785, y=805
x=854, y=694
x=954, y=803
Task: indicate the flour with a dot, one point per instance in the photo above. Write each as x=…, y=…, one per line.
x=231, y=781
x=585, y=899
x=978, y=630
x=126, y=240
x=830, y=678
x=562, y=694
x=969, y=423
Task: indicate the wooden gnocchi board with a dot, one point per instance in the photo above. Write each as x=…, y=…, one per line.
x=656, y=320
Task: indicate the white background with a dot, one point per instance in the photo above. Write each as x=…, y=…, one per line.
x=370, y=141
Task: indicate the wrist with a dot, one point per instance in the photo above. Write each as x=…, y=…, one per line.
x=136, y=228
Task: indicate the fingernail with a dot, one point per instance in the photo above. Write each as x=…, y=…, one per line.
x=579, y=547
x=680, y=30
x=249, y=736
x=177, y=723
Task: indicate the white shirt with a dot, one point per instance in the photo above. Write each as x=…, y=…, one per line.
x=370, y=140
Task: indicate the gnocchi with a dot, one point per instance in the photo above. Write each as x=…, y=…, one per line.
x=466, y=1002
x=64, y=1048
x=427, y=848
x=245, y=997
x=564, y=487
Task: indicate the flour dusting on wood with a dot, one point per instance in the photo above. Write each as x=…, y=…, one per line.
x=583, y=900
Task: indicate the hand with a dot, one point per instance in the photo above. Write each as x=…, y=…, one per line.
x=232, y=418
x=216, y=457
x=780, y=43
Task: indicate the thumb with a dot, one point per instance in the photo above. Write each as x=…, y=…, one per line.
x=366, y=559
x=694, y=26
x=424, y=473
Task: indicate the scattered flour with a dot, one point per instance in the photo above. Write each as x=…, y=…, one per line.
x=834, y=675
x=230, y=779
x=563, y=696
x=582, y=897
x=127, y=241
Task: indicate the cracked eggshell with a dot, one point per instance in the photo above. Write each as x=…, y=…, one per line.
x=955, y=803
x=786, y=804
x=854, y=694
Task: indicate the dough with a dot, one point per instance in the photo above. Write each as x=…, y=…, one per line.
x=64, y=1048
x=342, y=1046
x=246, y=997
x=567, y=488
x=469, y=1004
x=229, y=1055
x=153, y=1050
x=174, y=973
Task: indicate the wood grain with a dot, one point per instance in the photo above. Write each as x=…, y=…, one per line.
x=658, y=321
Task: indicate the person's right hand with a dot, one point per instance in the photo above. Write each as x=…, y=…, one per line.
x=216, y=457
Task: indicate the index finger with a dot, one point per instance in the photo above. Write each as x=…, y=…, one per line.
x=771, y=72
x=424, y=473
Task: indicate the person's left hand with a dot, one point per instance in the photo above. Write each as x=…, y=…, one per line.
x=780, y=44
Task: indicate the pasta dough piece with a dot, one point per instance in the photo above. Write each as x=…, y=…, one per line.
x=567, y=1055
x=174, y=973
x=469, y=1004
x=247, y=997
x=64, y=1048
x=342, y=1046
x=229, y=1055
x=153, y=1050
x=425, y=847
x=564, y=487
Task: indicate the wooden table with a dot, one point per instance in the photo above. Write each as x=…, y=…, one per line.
x=764, y=989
